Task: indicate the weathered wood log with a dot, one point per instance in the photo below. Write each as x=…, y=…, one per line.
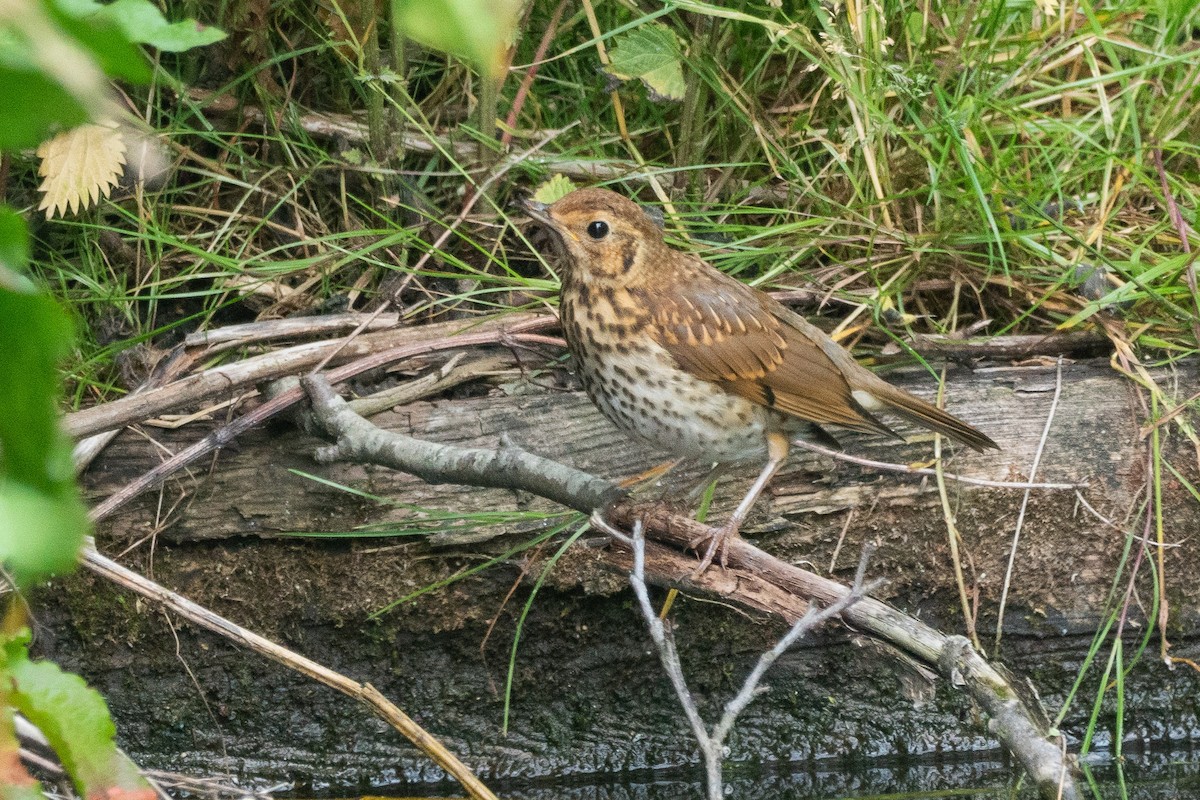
x=220, y=541
x=1066, y=551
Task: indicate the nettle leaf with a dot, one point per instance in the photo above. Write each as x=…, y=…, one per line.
x=74, y=720
x=653, y=54
x=476, y=30
x=79, y=167
x=556, y=188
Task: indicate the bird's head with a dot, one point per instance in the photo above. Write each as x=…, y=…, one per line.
x=606, y=238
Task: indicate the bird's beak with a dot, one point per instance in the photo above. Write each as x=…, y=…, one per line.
x=540, y=212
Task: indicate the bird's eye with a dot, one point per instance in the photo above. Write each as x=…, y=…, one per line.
x=598, y=229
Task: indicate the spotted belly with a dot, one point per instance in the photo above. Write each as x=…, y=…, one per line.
x=642, y=391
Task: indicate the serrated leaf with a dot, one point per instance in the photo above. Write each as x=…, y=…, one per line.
x=479, y=31
x=75, y=721
x=652, y=54
x=80, y=166
x=556, y=188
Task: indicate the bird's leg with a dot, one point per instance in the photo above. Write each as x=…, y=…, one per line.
x=777, y=451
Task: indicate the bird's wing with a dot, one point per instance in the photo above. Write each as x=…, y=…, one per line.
x=723, y=331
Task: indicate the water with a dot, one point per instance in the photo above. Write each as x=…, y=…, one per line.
x=1167, y=775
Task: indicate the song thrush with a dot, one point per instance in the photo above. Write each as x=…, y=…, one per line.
x=675, y=351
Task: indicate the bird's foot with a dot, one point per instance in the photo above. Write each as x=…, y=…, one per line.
x=718, y=543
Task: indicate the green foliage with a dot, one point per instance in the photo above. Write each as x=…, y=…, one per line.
x=650, y=53
x=42, y=519
x=52, y=71
x=142, y=22
x=74, y=720
x=924, y=165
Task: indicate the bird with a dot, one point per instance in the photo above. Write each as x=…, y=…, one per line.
x=699, y=364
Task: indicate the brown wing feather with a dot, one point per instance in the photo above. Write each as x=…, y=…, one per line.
x=726, y=332
x=723, y=331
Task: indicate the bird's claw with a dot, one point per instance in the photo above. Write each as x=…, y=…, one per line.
x=718, y=543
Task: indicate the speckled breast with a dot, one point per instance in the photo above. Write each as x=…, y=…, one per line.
x=638, y=386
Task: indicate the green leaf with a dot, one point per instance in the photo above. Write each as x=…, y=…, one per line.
x=14, y=243
x=102, y=40
x=556, y=188
x=40, y=533
x=76, y=722
x=478, y=31
x=34, y=335
x=142, y=22
x=42, y=520
x=652, y=54
x=34, y=106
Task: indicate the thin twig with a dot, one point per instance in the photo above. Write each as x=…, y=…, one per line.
x=1037, y=459
x=952, y=534
x=363, y=692
x=904, y=468
x=712, y=744
x=220, y=381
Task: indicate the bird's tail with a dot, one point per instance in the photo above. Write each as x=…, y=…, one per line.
x=927, y=415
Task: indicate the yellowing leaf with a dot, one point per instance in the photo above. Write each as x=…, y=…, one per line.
x=652, y=54
x=554, y=189
x=80, y=166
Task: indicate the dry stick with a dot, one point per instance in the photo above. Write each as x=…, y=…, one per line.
x=513, y=468
x=712, y=745
x=363, y=692
x=952, y=534
x=223, y=436
x=250, y=371
x=1016, y=538
x=291, y=327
